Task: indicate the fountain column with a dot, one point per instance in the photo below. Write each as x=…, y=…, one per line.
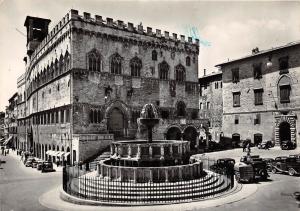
x=138, y=155
x=166, y=175
x=129, y=151
x=151, y=176
x=162, y=152
x=150, y=152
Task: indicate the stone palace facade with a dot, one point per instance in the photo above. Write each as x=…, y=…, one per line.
x=87, y=79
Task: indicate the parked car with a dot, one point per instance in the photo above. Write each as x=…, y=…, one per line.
x=286, y=165
x=223, y=165
x=269, y=162
x=265, y=145
x=250, y=168
x=297, y=156
x=47, y=166
x=29, y=162
x=39, y=165
x=35, y=163
x=288, y=145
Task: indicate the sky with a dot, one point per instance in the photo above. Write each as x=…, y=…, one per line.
x=227, y=30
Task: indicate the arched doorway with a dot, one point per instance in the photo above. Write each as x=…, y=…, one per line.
x=236, y=139
x=173, y=133
x=190, y=134
x=284, y=132
x=116, y=123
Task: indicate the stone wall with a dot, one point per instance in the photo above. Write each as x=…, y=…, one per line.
x=271, y=107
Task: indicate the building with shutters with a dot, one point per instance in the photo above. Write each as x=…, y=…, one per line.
x=261, y=96
x=87, y=79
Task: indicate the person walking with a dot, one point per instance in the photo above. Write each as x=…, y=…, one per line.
x=249, y=148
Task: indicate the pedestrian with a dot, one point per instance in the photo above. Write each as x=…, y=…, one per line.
x=248, y=147
x=4, y=152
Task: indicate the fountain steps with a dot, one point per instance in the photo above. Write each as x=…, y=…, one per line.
x=211, y=185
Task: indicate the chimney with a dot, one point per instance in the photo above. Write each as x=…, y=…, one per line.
x=158, y=32
x=140, y=28
x=120, y=24
x=174, y=36
x=197, y=41
x=98, y=18
x=204, y=72
x=182, y=38
x=190, y=40
x=130, y=26
x=166, y=34
x=149, y=30
x=87, y=15
x=109, y=21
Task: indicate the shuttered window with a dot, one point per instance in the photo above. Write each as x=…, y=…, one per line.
x=258, y=96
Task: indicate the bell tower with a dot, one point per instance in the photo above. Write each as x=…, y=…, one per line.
x=37, y=30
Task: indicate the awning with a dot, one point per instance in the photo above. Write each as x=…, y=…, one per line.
x=59, y=154
x=7, y=140
x=51, y=152
x=66, y=154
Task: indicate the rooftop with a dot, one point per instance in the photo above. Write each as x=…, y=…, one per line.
x=260, y=52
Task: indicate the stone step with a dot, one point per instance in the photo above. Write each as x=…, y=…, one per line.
x=179, y=186
x=99, y=182
x=140, y=191
x=160, y=196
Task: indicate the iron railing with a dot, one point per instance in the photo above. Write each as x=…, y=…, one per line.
x=78, y=183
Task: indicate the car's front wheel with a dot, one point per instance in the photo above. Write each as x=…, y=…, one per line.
x=274, y=171
x=291, y=172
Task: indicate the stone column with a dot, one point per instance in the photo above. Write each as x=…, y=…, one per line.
x=150, y=152
x=101, y=171
x=138, y=156
x=166, y=175
x=112, y=150
x=171, y=150
x=129, y=151
x=151, y=176
x=98, y=169
x=162, y=152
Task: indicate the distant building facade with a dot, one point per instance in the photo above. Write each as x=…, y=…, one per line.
x=21, y=113
x=211, y=103
x=10, y=121
x=2, y=125
x=261, y=95
x=87, y=80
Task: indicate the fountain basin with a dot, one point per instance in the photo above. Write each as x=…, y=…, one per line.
x=143, y=151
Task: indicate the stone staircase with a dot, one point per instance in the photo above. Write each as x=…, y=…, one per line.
x=95, y=188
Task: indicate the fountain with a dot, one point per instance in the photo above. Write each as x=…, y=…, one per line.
x=149, y=171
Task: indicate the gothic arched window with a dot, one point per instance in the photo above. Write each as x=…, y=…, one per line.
x=154, y=55
x=56, y=67
x=163, y=69
x=67, y=61
x=180, y=108
x=188, y=61
x=94, y=61
x=135, y=66
x=61, y=62
x=180, y=73
x=116, y=64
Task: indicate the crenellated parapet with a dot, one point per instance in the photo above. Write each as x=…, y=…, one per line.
x=139, y=29
x=144, y=36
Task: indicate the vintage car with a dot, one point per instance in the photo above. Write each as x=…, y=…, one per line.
x=265, y=145
x=250, y=168
x=269, y=162
x=288, y=145
x=39, y=165
x=29, y=162
x=223, y=165
x=34, y=163
x=288, y=165
x=297, y=156
x=47, y=166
